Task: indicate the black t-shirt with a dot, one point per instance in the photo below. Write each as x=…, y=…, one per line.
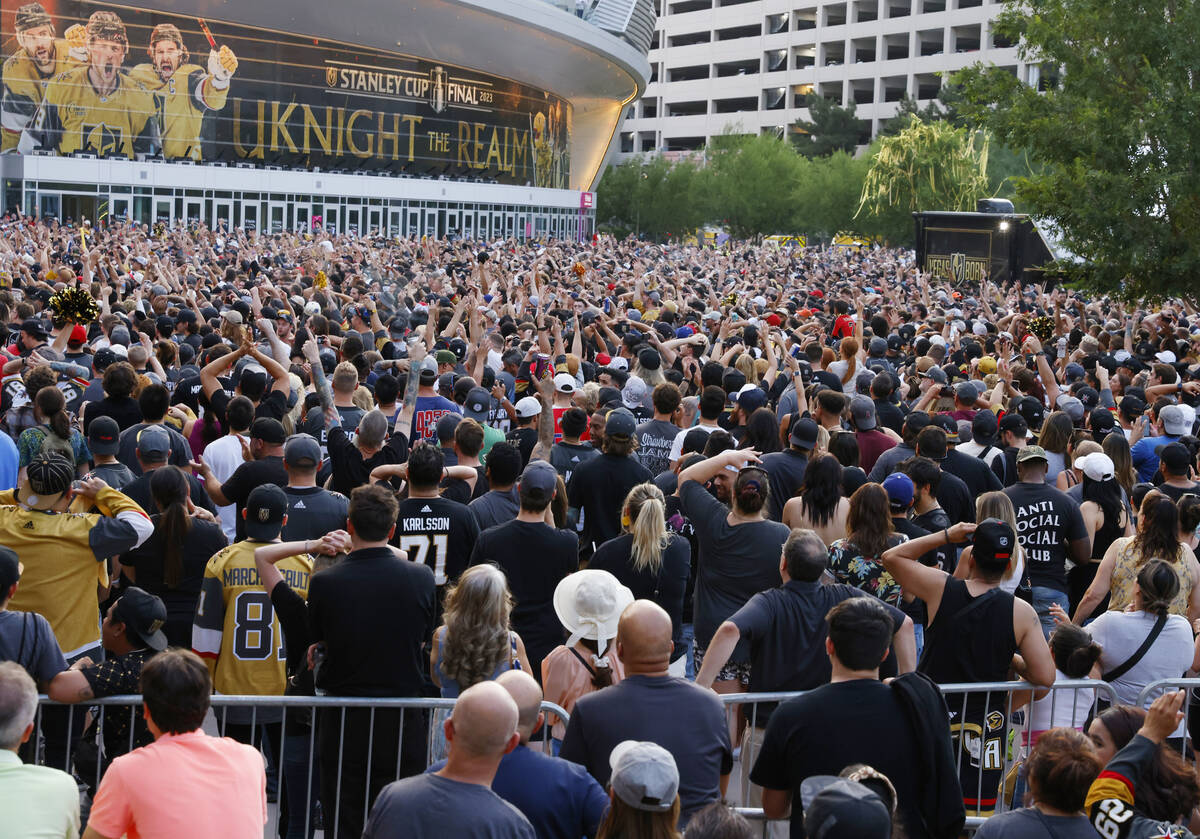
x=935, y=521
x=251, y=474
x=125, y=411
x=350, y=470
x=666, y=587
x=313, y=512
x=439, y=533
x=736, y=562
x=889, y=415
x=456, y=489
x=139, y=490
x=273, y=404
x=535, y=557
x=1047, y=521
x=823, y=731
x=655, y=439
x=955, y=498
x=1175, y=493
x=785, y=473
x=786, y=630
x=567, y=457
x=149, y=563
x=598, y=488
x=314, y=423
x=975, y=473
x=524, y=439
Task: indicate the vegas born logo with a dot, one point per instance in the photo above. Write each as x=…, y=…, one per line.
x=958, y=266
x=331, y=76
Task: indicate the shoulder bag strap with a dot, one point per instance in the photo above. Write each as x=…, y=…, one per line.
x=583, y=661
x=983, y=454
x=1131, y=662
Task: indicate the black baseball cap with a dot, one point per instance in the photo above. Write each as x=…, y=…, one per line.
x=619, y=423
x=264, y=512
x=102, y=359
x=269, y=430
x=1174, y=457
x=302, y=450
x=1032, y=410
x=838, y=807
x=34, y=327
x=145, y=614
x=1014, y=423
x=104, y=436
x=49, y=473
x=993, y=542
x=984, y=427
x=10, y=570
x=803, y=434
x=539, y=478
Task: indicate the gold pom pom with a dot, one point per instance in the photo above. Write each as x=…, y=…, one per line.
x=322, y=281
x=74, y=305
x=579, y=269
x=1042, y=327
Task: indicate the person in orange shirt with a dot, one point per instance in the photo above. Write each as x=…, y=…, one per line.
x=185, y=784
x=589, y=604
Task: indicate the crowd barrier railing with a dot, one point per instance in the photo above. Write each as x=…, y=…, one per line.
x=404, y=732
x=1156, y=688
x=990, y=725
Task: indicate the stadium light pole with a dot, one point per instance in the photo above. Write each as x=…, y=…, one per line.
x=637, y=224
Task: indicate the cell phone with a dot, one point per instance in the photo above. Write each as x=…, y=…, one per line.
x=540, y=366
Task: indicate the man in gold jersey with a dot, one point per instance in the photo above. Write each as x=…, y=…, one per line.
x=39, y=58
x=63, y=554
x=183, y=92
x=235, y=630
x=96, y=107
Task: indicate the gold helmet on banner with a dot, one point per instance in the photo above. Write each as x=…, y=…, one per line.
x=106, y=26
x=168, y=32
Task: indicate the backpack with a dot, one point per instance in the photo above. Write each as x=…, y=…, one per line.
x=52, y=443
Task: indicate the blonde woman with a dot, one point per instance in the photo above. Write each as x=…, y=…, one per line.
x=475, y=642
x=997, y=505
x=650, y=560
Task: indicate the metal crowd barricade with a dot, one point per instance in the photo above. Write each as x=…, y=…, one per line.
x=256, y=718
x=992, y=703
x=1153, y=690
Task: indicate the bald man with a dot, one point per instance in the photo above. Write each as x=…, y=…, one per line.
x=560, y=799
x=457, y=800
x=648, y=704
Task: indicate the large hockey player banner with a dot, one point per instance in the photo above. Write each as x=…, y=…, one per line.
x=83, y=78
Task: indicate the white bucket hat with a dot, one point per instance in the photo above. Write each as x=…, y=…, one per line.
x=589, y=604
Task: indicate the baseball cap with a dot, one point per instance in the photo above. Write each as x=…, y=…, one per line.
x=1098, y=466
x=1032, y=410
x=837, y=807
x=34, y=327
x=936, y=373
x=153, y=443
x=478, y=404
x=1031, y=453
x=102, y=359
x=993, y=541
x=528, y=406
x=603, y=359
x=264, y=512
x=984, y=427
x=877, y=347
x=429, y=373
x=540, y=478
x=751, y=398
x=966, y=392
x=619, y=363
x=145, y=614
x=1014, y=423
x=634, y=392
x=10, y=570
x=78, y=335
x=446, y=425
x=302, y=450
x=650, y=359
x=644, y=775
x=165, y=322
x=49, y=473
x=1174, y=458
x=269, y=430
x=1132, y=406
x=1074, y=371
x=104, y=436
x=900, y=490
x=446, y=357
x=862, y=410
x=1173, y=420
x=803, y=433
x=619, y=423
x=1072, y=407
x=1166, y=357
x=564, y=383
x=987, y=365
x=1089, y=397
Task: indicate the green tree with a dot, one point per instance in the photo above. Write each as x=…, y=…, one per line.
x=927, y=166
x=750, y=184
x=827, y=195
x=830, y=128
x=1114, y=122
x=654, y=198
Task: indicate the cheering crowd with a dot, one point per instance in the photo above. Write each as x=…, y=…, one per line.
x=622, y=477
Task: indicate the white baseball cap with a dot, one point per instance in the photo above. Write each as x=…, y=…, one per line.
x=1098, y=466
x=564, y=383
x=528, y=406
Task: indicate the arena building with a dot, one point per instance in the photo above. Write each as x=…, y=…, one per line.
x=484, y=118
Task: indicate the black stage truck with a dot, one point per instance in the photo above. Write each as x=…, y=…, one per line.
x=993, y=243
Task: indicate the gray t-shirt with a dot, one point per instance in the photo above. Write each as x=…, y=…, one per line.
x=495, y=507
x=432, y=806
x=27, y=639
x=1026, y=822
